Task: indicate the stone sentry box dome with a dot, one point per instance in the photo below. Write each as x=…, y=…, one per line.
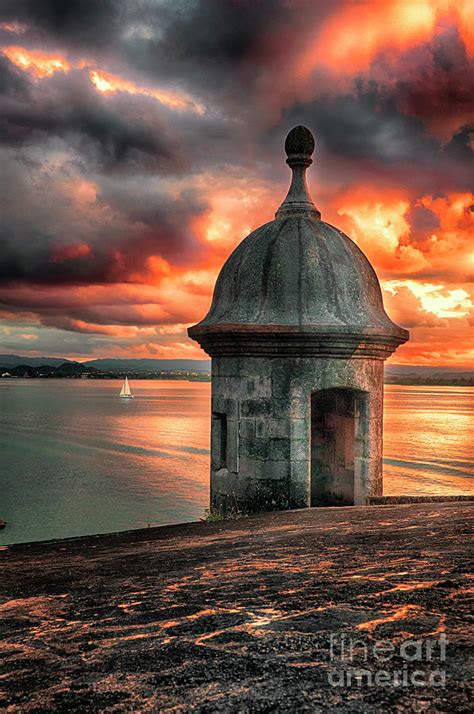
x=298, y=334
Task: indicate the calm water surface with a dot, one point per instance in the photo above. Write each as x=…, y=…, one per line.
x=76, y=460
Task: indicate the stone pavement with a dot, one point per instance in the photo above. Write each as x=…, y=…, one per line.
x=238, y=616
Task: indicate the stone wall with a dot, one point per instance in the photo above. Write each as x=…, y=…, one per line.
x=261, y=409
x=400, y=500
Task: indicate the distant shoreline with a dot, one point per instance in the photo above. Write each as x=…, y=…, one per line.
x=198, y=377
x=194, y=370
x=203, y=377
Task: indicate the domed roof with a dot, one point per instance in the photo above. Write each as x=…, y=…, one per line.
x=298, y=275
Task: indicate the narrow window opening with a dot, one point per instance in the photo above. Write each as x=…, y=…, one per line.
x=219, y=422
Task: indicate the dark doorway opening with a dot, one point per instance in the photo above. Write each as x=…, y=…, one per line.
x=333, y=447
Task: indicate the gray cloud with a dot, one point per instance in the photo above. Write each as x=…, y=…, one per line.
x=233, y=56
x=81, y=23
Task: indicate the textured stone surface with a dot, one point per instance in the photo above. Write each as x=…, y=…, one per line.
x=297, y=308
x=237, y=617
x=271, y=432
x=393, y=500
x=303, y=272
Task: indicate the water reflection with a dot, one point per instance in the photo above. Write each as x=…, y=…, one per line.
x=77, y=460
x=427, y=440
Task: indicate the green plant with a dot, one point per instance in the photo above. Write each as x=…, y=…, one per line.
x=215, y=514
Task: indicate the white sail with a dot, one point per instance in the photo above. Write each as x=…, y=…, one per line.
x=125, y=391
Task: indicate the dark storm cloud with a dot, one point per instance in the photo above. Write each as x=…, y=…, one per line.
x=164, y=222
x=12, y=82
x=58, y=242
x=460, y=146
x=366, y=125
x=78, y=22
x=118, y=131
x=367, y=135
x=40, y=268
x=94, y=186
x=128, y=136
x=441, y=91
x=210, y=31
x=225, y=48
x=143, y=204
x=159, y=37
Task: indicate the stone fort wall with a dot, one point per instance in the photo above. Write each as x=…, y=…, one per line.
x=261, y=428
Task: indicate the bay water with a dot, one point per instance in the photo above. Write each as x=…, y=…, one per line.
x=75, y=459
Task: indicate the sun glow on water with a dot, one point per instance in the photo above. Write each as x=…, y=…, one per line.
x=80, y=460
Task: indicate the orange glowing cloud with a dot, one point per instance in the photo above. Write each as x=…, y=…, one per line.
x=463, y=10
x=237, y=205
x=41, y=65
x=124, y=304
x=450, y=248
x=156, y=269
x=437, y=346
x=440, y=319
x=350, y=41
x=380, y=227
x=120, y=331
x=15, y=28
x=80, y=191
x=107, y=83
x=36, y=62
x=435, y=299
x=150, y=289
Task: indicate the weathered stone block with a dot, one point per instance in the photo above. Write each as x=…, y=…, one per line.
x=299, y=449
x=298, y=390
x=246, y=467
x=231, y=408
x=299, y=408
x=276, y=470
x=282, y=376
x=254, y=367
x=256, y=407
x=279, y=449
x=228, y=366
x=222, y=482
x=248, y=429
x=255, y=388
x=229, y=387
x=272, y=428
x=266, y=495
x=233, y=445
x=255, y=448
x=299, y=494
x=300, y=472
x=299, y=428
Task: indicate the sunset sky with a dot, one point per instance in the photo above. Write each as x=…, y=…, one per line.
x=141, y=141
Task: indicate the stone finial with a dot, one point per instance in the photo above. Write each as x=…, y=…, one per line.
x=299, y=147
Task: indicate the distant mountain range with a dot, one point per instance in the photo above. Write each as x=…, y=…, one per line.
x=151, y=365
x=113, y=365
x=18, y=366
x=65, y=369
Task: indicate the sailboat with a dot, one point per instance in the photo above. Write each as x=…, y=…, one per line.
x=125, y=392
